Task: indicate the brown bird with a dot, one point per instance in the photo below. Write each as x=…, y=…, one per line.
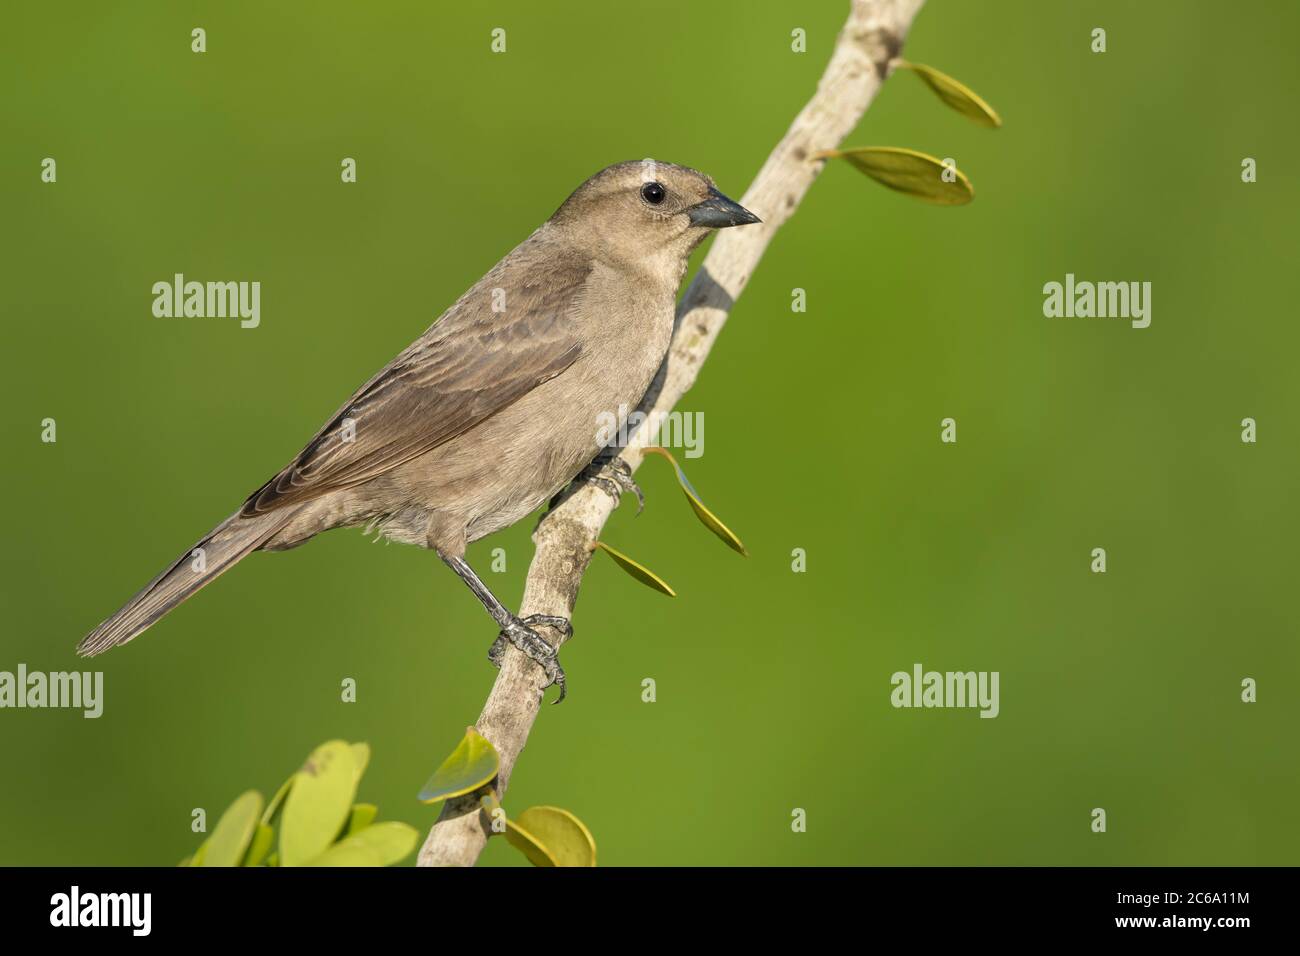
x=494, y=409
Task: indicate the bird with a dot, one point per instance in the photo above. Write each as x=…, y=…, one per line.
x=494, y=409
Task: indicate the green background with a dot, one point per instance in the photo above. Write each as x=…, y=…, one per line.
x=1119, y=690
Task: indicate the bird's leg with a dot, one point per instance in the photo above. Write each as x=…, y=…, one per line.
x=609, y=473
x=518, y=631
x=614, y=476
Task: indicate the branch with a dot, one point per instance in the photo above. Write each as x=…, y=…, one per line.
x=871, y=38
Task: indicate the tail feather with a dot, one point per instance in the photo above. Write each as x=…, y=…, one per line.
x=222, y=548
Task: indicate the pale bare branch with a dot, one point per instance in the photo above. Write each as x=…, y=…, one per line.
x=859, y=64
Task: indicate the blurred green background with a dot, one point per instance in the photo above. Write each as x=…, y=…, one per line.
x=822, y=429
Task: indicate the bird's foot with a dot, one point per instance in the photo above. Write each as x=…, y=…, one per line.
x=520, y=632
x=614, y=476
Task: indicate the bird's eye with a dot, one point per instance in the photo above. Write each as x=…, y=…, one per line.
x=653, y=193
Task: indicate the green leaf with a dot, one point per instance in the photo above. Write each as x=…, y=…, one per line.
x=551, y=836
x=197, y=858
x=363, y=814
x=473, y=764
x=318, y=803
x=361, y=755
x=707, y=517
x=529, y=845
x=234, y=830
x=638, y=571
x=955, y=94
x=908, y=171
x=347, y=852
x=268, y=815
x=381, y=844
x=391, y=840
x=260, y=847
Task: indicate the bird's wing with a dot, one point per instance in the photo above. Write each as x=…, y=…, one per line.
x=471, y=364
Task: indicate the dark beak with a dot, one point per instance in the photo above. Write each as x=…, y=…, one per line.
x=719, y=212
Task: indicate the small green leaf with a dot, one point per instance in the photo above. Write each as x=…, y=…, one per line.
x=391, y=840
x=318, y=803
x=260, y=847
x=363, y=814
x=347, y=852
x=387, y=843
x=272, y=808
x=707, y=517
x=234, y=830
x=551, y=836
x=473, y=764
x=955, y=94
x=638, y=571
x=529, y=845
x=361, y=755
x=381, y=844
x=908, y=171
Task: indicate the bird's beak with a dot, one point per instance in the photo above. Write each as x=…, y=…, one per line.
x=719, y=212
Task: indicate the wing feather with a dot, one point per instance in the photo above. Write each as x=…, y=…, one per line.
x=470, y=364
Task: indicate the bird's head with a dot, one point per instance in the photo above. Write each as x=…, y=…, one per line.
x=646, y=209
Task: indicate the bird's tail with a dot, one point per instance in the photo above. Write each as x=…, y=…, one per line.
x=219, y=550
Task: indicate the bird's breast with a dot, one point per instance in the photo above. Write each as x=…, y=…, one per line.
x=512, y=463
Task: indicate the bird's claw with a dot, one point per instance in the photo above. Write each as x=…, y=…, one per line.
x=614, y=477
x=520, y=632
